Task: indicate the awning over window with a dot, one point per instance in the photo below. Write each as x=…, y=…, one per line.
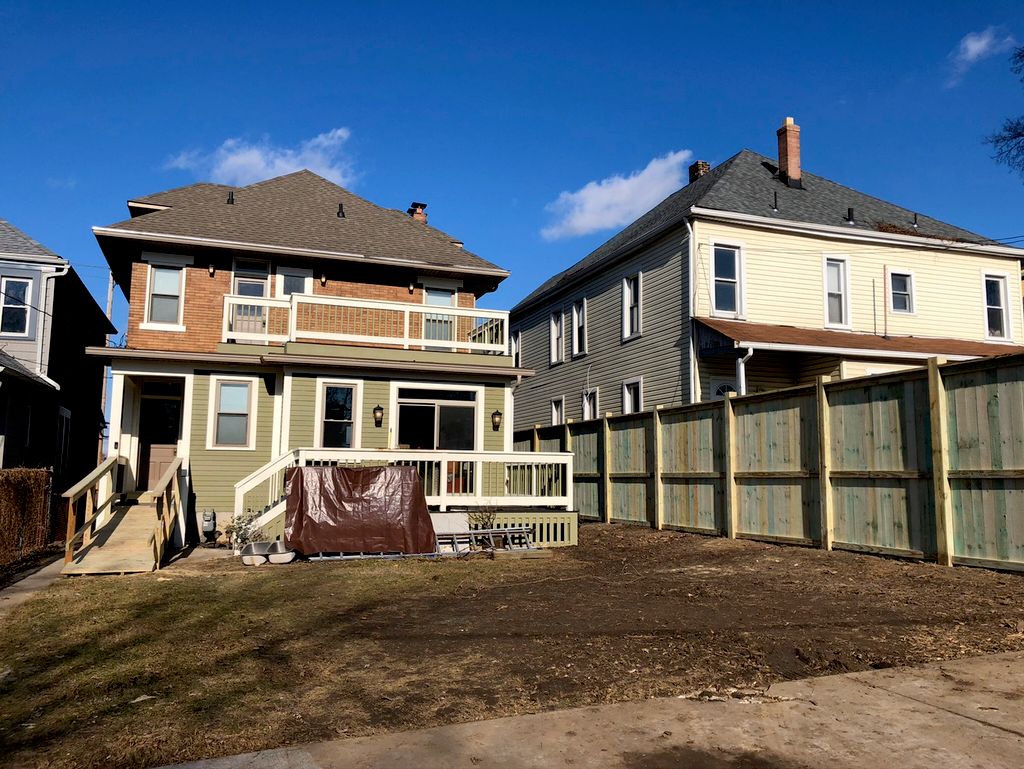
x=724, y=337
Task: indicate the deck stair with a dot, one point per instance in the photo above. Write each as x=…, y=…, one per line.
x=122, y=545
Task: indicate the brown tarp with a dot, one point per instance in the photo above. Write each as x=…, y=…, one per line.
x=357, y=510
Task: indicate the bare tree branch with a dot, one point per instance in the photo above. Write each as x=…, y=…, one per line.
x=1009, y=142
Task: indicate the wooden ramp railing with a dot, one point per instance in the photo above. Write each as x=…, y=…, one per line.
x=87, y=489
x=168, y=499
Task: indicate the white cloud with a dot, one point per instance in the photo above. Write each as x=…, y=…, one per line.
x=241, y=162
x=616, y=200
x=975, y=46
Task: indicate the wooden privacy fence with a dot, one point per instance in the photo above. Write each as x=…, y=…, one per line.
x=925, y=463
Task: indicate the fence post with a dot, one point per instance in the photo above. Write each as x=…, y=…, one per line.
x=68, y=549
x=567, y=436
x=659, y=508
x=536, y=438
x=825, y=467
x=940, y=463
x=606, y=468
x=729, y=460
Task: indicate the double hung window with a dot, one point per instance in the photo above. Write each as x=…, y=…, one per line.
x=632, y=306
x=837, y=299
x=727, y=280
x=233, y=413
x=997, y=321
x=633, y=396
x=165, y=284
x=557, y=342
x=901, y=292
x=579, y=327
x=14, y=305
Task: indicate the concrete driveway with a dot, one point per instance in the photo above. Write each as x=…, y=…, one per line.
x=968, y=713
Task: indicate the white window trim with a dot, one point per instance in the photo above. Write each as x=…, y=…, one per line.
x=582, y=305
x=294, y=272
x=516, y=347
x=1004, y=277
x=182, y=266
x=847, y=323
x=626, y=336
x=211, y=416
x=891, y=271
x=637, y=407
x=716, y=383
x=560, y=400
x=597, y=403
x=322, y=383
x=741, y=280
x=392, y=414
x=556, y=356
x=27, y=306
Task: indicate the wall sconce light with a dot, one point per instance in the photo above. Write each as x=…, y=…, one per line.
x=212, y=270
x=378, y=415
x=496, y=420
x=323, y=279
x=412, y=287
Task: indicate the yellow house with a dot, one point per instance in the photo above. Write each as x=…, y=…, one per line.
x=758, y=275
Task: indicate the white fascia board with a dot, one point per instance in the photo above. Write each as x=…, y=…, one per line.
x=189, y=240
x=841, y=233
x=851, y=351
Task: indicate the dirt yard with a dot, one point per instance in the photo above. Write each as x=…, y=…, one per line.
x=211, y=659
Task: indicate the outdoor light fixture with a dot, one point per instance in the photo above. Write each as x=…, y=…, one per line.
x=496, y=420
x=378, y=415
x=412, y=287
x=212, y=270
x=323, y=279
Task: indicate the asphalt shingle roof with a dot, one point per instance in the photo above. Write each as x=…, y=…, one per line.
x=9, y=363
x=14, y=241
x=299, y=211
x=748, y=183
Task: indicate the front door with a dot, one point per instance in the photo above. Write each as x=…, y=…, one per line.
x=159, y=429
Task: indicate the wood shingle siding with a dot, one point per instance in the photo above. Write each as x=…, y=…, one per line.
x=660, y=354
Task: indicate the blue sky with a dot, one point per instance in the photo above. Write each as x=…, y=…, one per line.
x=523, y=126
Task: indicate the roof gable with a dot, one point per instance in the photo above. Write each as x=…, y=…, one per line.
x=748, y=183
x=300, y=211
x=14, y=242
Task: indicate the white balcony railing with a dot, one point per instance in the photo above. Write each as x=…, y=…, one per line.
x=450, y=478
x=305, y=317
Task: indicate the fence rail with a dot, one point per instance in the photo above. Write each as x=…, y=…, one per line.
x=925, y=463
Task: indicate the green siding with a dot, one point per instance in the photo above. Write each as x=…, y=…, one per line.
x=302, y=431
x=214, y=473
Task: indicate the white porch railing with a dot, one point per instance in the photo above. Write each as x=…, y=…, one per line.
x=335, y=319
x=450, y=478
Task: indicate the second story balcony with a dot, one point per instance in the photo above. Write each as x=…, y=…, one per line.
x=400, y=325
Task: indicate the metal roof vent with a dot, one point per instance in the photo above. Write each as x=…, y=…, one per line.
x=231, y=197
x=849, y=216
x=341, y=210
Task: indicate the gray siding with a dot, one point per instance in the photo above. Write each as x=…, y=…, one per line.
x=660, y=355
x=21, y=346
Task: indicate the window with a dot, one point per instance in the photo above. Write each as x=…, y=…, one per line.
x=558, y=411
x=721, y=388
x=292, y=280
x=250, y=278
x=901, y=292
x=437, y=419
x=557, y=345
x=517, y=348
x=15, y=305
x=590, y=404
x=165, y=289
x=632, y=306
x=836, y=294
x=727, y=279
x=338, y=404
x=439, y=326
x=579, y=327
x=233, y=406
x=633, y=396
x=997, y=321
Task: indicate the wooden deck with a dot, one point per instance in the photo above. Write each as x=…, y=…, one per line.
x=123, y=545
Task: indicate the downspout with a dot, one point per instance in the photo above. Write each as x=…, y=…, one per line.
x=689, y=309
x=741, y=371
x=41, y=331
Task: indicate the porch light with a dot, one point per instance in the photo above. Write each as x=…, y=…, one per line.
x=496, y=420
x=323, y=279
x=378, y=415
x=212, y=270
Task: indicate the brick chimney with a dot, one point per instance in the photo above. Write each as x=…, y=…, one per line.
x=418, y=211
x=789, y=153
x=698, y=169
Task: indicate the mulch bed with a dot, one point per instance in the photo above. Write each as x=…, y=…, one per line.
x=230, y=659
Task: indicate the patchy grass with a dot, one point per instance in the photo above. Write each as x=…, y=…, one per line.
x=230, y=659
